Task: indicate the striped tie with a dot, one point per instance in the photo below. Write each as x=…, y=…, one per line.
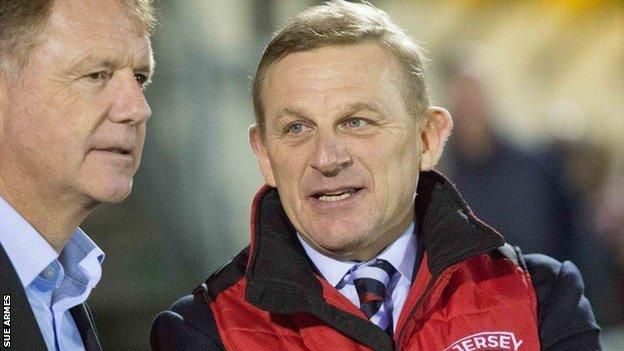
x=370, y=282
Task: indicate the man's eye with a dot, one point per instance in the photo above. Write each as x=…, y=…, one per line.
x=141, y=78
x=296, y=128
x=98, y=76
x=355, y=123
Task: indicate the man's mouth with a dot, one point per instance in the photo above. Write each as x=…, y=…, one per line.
x=116, y=150
x=336, y=195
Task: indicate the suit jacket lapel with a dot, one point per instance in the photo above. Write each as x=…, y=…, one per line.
x=25, y=334
x=86, y=326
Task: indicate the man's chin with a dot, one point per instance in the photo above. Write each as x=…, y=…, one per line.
x=343, y=246
x=110, y=191
x=349, y=252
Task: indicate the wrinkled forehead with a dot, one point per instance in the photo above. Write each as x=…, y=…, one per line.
x=92, y=26
x=361, y=59
x=368, y=67
x=95, y=18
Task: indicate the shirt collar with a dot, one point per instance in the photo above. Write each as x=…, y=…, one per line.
x=401, y=254
x=330, y=268
x=30, y=253
x=82, y=258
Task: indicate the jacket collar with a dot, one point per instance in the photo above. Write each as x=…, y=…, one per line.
x=277, y=260
x=447, y=228
x=86, y=326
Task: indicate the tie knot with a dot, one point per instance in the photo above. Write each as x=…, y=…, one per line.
x=371, y=279
x=379, y=270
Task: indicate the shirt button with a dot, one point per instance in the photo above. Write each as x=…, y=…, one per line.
x=48, y=273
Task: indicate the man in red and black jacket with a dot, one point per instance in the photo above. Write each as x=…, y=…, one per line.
x=356, y=242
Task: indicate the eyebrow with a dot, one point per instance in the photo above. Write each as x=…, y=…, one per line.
x=362, y=106
x=288, y=111
x=108, y=61
x=347, y=109
x=291, y=111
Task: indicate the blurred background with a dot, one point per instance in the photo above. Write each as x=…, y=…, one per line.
x=536, y=89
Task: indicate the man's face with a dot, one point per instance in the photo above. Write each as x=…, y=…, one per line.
x=73, y=118
x=341, y=147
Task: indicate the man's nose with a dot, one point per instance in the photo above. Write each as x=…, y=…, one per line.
x=129, y=103
x=330, y=155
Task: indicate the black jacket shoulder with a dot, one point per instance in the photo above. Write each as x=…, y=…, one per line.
x=565, y=317
x=188, y=325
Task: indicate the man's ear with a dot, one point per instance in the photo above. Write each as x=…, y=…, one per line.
x=257, y=144
x=436, y=130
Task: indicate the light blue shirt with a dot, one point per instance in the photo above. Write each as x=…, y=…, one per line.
x=401, y=254
x=53, y=283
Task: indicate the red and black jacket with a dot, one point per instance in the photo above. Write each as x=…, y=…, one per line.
x=471, y=292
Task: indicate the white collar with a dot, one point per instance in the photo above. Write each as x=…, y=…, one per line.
x=401, y=254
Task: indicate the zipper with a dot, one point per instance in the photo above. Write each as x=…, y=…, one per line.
x=432, y=282
x=421, y=300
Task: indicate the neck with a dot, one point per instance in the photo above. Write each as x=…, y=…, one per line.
x=54, y=216
x=373, y=249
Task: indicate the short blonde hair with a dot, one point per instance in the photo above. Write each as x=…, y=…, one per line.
x=22, y=21
x=340, y=22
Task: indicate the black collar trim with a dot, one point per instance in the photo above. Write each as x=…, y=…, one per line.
x=447, y=228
